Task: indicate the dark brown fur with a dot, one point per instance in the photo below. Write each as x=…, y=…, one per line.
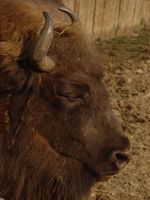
x=56, y=129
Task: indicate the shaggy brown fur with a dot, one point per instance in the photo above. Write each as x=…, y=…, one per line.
x=57, y=130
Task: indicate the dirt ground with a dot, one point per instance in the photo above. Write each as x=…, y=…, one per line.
x=127, y=74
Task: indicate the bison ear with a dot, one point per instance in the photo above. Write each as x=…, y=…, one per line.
x=11, y=75
x=69, y=94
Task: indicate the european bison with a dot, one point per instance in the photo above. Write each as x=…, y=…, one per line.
x=58, y=134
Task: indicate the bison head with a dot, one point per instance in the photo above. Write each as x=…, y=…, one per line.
x=58, y=93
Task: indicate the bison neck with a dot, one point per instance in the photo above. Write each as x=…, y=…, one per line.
x=36, y=172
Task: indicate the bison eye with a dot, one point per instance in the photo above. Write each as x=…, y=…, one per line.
x=71, y=94
x=72, y=97
x=75, y=97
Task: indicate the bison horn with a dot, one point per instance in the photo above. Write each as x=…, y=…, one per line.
x=72, y=15
x=44, y=63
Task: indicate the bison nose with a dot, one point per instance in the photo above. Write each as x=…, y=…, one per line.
x=120, y=158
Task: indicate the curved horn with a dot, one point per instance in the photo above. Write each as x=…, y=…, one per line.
x=72, y=15
x=44, y=63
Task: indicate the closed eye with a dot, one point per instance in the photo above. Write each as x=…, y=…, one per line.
x=74, y=99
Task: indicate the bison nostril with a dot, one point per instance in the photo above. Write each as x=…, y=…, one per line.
x=120, y=158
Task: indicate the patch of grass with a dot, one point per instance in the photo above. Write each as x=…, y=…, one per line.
x=135, y=47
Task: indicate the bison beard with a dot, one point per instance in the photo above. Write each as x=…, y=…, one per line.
x=58, y=134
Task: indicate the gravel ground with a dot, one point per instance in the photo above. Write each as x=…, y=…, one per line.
x=128, y=82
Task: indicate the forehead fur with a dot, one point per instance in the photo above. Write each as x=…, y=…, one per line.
x=72, y=53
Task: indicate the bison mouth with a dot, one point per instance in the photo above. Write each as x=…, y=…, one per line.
x=106, y=170
x=100, y=170
x=99, y=173
x=102, y=174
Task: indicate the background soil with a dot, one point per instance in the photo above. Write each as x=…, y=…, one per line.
x=127, y=75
